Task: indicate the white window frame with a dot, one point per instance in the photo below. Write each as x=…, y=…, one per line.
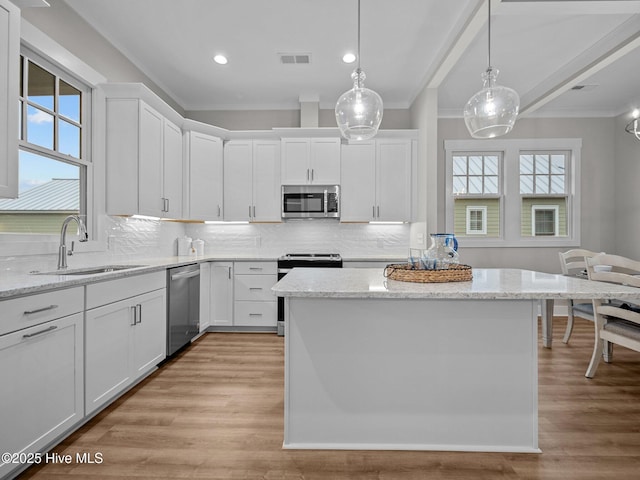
x=472, y=208
x=556, y=222
x=31, y=244
x=510, y=198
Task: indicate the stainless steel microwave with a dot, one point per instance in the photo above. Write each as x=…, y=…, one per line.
x=310, y=201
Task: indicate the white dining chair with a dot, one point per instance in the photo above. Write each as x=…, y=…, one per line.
x=572, y=263
x=615, y=322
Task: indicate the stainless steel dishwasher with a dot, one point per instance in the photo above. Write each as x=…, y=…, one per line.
x=183, y=306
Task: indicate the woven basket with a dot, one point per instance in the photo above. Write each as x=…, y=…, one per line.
x=405, y=273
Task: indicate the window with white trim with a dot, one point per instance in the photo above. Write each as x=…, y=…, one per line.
x=53, y=154
x=476, y=188
x=544, y=191
x=513, y=192
x=476, y=220
x=544, y=220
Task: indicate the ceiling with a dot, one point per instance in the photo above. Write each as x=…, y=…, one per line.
x=542, y=49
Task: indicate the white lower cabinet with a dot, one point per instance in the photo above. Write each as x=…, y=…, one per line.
x=221, y=294
x=205, y=296
x=255, y=305
x=43, y=390
x=125, y=339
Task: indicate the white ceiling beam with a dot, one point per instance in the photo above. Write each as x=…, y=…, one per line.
x=569, y=7
x=467, y=34
x=563, y=82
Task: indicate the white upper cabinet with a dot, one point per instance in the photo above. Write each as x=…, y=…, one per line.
x=310, y=161
x=358, y=192
x=9, y=84
x=172, y=170
x=203, y=179
x=377, y=181
x=144, y=161
x=251, y=180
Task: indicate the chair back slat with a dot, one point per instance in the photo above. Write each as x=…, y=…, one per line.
x=573, y=261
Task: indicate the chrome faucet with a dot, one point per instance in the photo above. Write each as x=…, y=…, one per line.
x=62, y=249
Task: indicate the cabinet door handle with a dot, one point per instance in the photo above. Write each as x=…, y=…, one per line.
x=229, y=272
x=254, y=211
x=373, y=211
x=38, y=310
x=29, y=335
x=167, y=207
x=134, y=309
x=307, y=174
x=312, y=174
x=249, y=211
x=218, y=211
x=139, y=309
x=378, y=208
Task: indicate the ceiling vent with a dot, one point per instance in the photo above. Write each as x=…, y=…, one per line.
x=295, y=58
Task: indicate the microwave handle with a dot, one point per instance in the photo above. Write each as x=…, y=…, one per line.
x=326, y=202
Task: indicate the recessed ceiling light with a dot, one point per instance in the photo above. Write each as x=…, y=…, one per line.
x=220, y=59
x=349, y=58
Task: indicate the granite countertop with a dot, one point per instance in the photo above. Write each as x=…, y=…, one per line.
x=489, y=284
x=24, y=281
x=19, y=280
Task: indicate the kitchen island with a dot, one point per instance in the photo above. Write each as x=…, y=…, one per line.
x=373, y=363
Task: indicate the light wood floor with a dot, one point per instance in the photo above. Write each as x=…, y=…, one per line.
x=216, y=412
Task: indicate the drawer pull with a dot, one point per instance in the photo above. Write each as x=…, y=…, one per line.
x=255, y=268
x=255, y=288
x=29, y=335
x=255, y=314
x=38, y=310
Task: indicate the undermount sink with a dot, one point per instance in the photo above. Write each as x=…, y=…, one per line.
x=90, y=270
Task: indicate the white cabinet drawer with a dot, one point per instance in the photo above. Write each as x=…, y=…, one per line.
x=111, y=291
x=255, y=288
x=255, y=314
x=256, y=268
x=23, y=312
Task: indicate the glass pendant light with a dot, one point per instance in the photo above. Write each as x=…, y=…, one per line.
x=359, y=110
x=493, y=110
x=633, y=127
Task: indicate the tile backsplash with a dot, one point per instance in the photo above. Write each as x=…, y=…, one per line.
x=319, y=236
x=130, y=239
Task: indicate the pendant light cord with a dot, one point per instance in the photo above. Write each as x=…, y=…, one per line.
x=489, y=38
x=359, y=85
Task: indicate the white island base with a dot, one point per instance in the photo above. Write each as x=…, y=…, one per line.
x=411, y=374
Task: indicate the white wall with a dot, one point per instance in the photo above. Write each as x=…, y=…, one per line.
x=627, y=191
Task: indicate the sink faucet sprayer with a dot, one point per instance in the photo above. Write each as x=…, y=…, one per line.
x=62, y=250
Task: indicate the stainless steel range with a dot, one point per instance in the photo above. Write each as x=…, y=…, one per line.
x=308, y=260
